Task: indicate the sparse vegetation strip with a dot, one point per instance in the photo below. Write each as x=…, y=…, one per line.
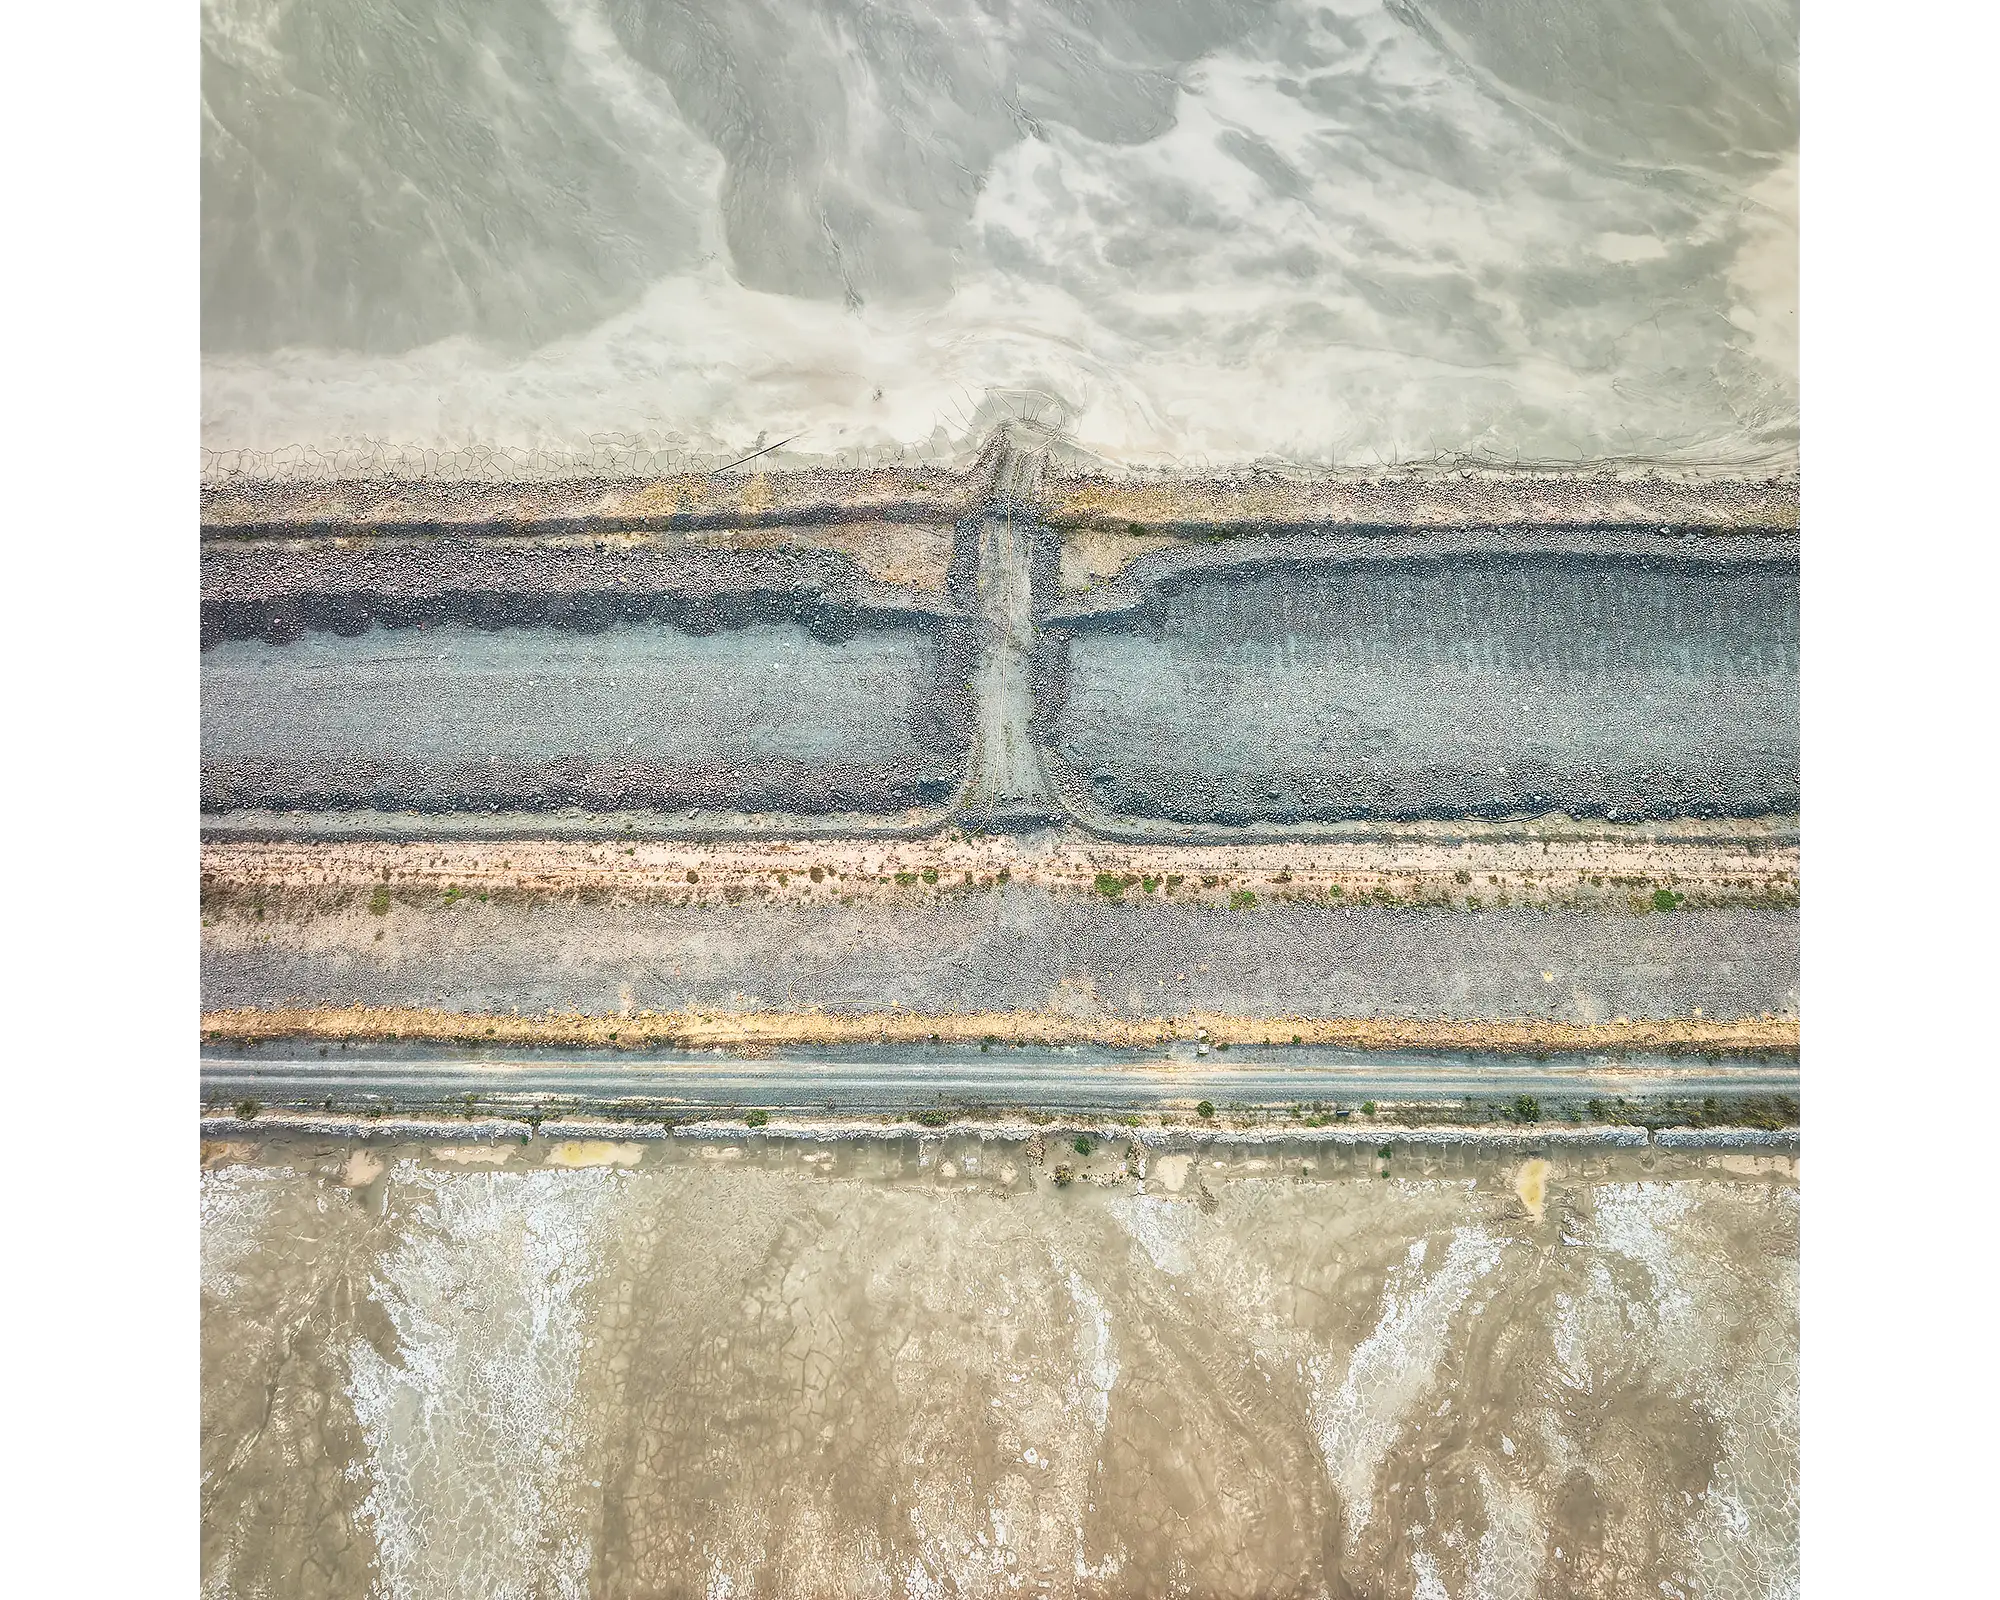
x=752, y=1031
x=1647, y=874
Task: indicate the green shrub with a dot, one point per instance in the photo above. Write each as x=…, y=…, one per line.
x=378, y=902
x=1667, y=900
x=1368, y=1108
x=930, y=874
x=1527, y=1108
x=1110, y=885
x=246, y=1109
x=756, y=1119
x=1241, y=900
x=1205, y=1110
x=1064, y=1177
x=932, y=1117
x=1083, y=1146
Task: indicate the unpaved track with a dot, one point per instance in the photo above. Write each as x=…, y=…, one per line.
x=870, y=1084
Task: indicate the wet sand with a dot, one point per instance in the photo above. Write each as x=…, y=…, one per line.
x=941, y=1365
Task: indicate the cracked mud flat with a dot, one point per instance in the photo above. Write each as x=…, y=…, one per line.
x=919, y=1367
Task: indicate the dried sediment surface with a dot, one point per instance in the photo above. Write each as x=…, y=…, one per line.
x=754, y=1031
x=1265, y=498
x=303, y=502
x=851, y=1367
x=1550, y=862
x=1011, y=949
x=1418, y=498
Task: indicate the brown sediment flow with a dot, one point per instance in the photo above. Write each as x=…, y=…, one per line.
x=763, y=1030
x=1550, y=862
x=1531, y=1184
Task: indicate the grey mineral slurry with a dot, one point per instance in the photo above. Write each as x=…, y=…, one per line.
x=1468, y=686
x=652, y=236
x=1017, y=949
x=537, y=715
x=924, y=1366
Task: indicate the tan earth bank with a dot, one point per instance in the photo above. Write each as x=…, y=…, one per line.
x=1267, y=498
x=753, y=1031
x=1622, y=870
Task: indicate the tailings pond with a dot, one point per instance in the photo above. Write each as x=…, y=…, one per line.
x=940, y=1366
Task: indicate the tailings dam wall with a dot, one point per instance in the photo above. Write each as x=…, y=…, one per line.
x=699, y=674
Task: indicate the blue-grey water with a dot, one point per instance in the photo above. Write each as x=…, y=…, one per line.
x=1471, y=686
x=533, y=236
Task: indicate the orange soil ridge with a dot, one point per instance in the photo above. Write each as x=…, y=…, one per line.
x=769, y=1030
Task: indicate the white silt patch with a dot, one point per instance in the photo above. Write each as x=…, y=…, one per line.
x=1164, y=1229
x=1097, y=1359
x=1634, y=1220
x=1508, y=1562
x=1356, y=1424
x=235, y=1205
x=472, y=1444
